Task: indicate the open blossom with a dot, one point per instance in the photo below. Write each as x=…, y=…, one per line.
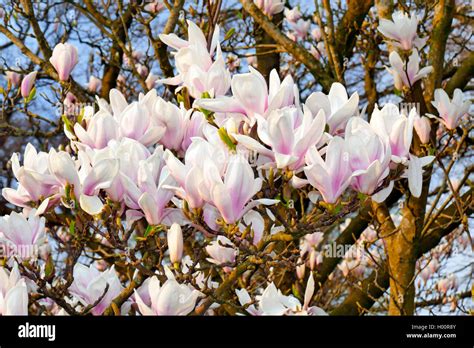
x=300, y=28
x=129, y=153
x=28, y=83
x=251, y=96
x=231, y=195
x=87, y=181
x=90, y=285
x=397, y=127
x=330, y=176
x=35, y=182
x=196, y=67
x=222, y=250
x=270, y=7
x=273, y=302
x=13, y=292
x=369, y=156
x=171, y=298
x=287, y=134
x=194, y=184
x=22, y=235
x=149, y=197
x=180, y=124
x=64, y=59
x=292, y=15
x=308, y=250
x=402, y=29
x=451, y=111
x=120, y=119
x=337, y=107
x=406, y=74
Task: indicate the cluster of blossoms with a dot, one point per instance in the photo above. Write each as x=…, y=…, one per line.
x=213, y=165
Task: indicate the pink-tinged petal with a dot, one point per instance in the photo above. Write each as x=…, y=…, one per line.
x=149, y=208
x=317, y=101
x=16, y=300
x=172, y=40
x=92, y=205
x=142, y=307
x=118, y=103
x=195, y=35
x=101, y=176
x=252, y=144
x=223, y=202
x=15, y=198
x=383, y=194
x=221, y=104
x=251, y=90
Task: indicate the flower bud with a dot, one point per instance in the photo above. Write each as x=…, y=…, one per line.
x=423, y=128
x=28, y=83
x=175, y=243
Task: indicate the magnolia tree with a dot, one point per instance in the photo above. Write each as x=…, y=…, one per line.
x=252, y=158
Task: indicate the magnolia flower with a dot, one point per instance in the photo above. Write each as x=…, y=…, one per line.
x=316, y=34
x=222, y=250
x=251, y=95
x=94, y=84
x=175, y=243
x=136, y=122
x=101, y=128
x=446, y=284
x=170, y=299
x=288, y=134
x=22, y=235
x=422, y=128
x=90, y=285
x=337, y=107
x=154, y=7
x=292, y=15
x=351, y=266
x=13, y=292
x=273, y=302
x=451, y=111
x=87, y=181
x=197, y=70
x=194, y=185
x=232, y=194
x=406, y=74
x=180, y=124
x=332, y=175
x=308, y=248
x=369, y=156
x=395, y=126
x=129, y=153
x=34, y=178
x=27, y=84
x=270, y=7
x=13, y=77
x=64, y=59
x=402, y=29
x=119, y=119
x=300, y=28
x=149, y=194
